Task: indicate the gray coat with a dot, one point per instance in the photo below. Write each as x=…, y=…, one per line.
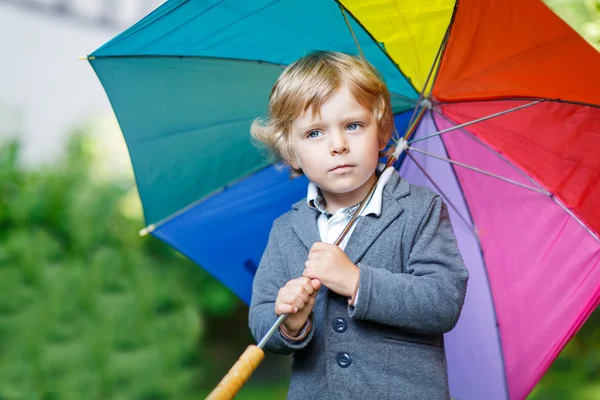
x=412, y=287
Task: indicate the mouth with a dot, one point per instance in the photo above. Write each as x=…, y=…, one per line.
x=342, y=168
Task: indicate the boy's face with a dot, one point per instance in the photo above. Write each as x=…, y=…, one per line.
x=338, y=149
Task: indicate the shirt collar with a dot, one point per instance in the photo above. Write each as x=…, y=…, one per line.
x=315, y=200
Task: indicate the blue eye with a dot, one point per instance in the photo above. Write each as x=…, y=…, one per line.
x=353, y=126
x=313, y=134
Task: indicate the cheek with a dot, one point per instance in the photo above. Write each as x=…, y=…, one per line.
x=305, y=162
x=306, y=156
x=372, y=148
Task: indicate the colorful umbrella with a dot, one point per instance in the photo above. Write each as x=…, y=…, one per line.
x=505, y=97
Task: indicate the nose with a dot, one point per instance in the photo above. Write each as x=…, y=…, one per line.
x=339, y=143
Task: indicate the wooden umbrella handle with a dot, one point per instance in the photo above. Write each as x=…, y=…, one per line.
x=238, y=374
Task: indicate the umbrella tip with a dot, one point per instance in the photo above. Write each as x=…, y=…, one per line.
x=426, y=103
x=147, y=230
x=87, y=58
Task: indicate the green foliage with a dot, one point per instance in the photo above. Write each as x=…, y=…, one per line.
x=575, y=374
x=581, y=15
x=88, y=309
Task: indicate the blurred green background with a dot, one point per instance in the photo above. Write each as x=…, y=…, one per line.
x=90, y=310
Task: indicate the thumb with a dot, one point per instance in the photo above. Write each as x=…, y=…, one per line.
x=316, y=284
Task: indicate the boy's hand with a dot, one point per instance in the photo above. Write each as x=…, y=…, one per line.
x=330, y=265
x=296, y=299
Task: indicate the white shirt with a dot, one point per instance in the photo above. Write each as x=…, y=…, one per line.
x=331, y=227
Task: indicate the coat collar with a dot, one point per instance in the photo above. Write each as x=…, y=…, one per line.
x=368, y=228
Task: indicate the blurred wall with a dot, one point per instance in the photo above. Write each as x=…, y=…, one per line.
x=44, y=88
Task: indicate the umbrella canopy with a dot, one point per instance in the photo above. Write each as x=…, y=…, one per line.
x=505, y=99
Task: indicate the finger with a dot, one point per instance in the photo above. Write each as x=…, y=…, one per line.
x=321, y=246
x=285, y=309
x=301, y=284
x=316, y=284
x=303, y=294
x=307, y=285
x=315, y=255
x=301, y=281
x=307, y=265
x=288, y=298
x=297, y=299
x=286, y=306
x=309, y=271
x=300, y=301
x=295, y=302
x=306, y=282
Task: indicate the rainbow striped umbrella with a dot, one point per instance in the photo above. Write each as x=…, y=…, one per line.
x=504, y=98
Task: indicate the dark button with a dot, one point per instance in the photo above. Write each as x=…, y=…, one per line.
x=339, y=325
x=343, y=360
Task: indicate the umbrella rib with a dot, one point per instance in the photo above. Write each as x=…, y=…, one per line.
x=442, y=46
x=480, y=171
x=476, y=121
x=517, y=98
x=500, y=156
x=468, y=224
x=412, y=126
x=445, y=41
x=282, y=66
x=152, y=227
x=351, y=31
x=161, y=56
x=401, y=96
x=575, y=218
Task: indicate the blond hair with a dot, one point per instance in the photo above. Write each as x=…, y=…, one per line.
x=307, y=84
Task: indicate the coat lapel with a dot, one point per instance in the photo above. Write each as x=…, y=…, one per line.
x=304, y=223
x=369, y=227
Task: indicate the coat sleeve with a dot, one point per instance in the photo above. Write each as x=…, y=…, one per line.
x=428, y=296
x=271, y=276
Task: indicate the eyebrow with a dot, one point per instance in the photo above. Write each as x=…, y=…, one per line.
x=311, y=126
x=360, y=116
x=354, y=117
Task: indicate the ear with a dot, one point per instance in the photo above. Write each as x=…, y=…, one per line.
x=291, y=159
x=294, y=163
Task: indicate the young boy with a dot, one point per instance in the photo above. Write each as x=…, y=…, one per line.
x=366, y=319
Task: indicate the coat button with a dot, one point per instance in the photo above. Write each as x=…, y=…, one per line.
x=343, y=360
x=339, y=325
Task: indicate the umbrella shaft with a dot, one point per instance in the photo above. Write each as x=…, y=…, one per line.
x=272, y=330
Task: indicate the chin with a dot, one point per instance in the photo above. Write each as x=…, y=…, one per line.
x=340, y=189
x=341, y=184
